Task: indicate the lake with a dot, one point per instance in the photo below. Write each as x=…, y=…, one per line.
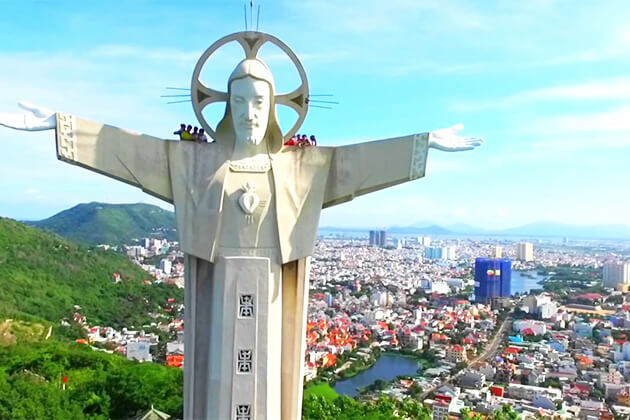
x=524, y=281
x=387, y=368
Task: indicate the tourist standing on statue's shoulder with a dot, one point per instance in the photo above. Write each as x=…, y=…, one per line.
x=291, y=142
x=202, y=136
x=186, y=134
x=182, y=128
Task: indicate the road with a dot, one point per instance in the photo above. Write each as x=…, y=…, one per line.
x=488, y=352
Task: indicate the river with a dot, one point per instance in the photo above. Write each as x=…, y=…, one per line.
x=387, y=368
x=524, y=281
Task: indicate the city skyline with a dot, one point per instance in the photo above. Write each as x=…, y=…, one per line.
x=543, y=84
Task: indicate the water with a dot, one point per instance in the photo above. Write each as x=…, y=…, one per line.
x=524, y=281
x=387, y=367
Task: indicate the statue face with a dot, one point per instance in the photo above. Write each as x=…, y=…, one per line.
x=249, y=103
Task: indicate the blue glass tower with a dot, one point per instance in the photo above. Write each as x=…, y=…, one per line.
x=493, y=277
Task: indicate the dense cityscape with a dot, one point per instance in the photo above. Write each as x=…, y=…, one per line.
x=402, y=210
x=455, y=323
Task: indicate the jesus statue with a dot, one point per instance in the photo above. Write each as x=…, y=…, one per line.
x=247, y=210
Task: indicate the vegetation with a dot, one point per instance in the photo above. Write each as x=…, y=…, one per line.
x=322, y=389
x=44, y=276
x=425, y=357
x=116, y=224
x=317, y=407
x=564, y=278
x=99, y=385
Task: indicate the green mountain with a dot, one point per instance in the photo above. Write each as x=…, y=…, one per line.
x=42, y=277
x=102, y=223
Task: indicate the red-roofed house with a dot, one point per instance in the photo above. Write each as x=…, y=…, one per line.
x=456, y=354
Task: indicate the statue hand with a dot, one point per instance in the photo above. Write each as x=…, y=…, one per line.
x=447, y=140
x=35, y=118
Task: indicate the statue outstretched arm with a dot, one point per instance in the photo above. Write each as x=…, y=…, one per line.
x=361, y=168
x=133, y=158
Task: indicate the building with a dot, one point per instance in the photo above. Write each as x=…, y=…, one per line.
x=529, y=392
x=440, y=410
x=456, y=354
x=378, y=238
x=525, y=251
x=166, y=266
x=451, y=253
x=435, y=286
x=472, y=380
x=139, y=350
x=498, y=252
x=136, y=252
x=433, y=253
x=441, y=253
x=374, y=236
x=541, y=305
x=493, y=278
x=616, y=275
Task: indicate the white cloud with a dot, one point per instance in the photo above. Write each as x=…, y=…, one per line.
x=614, y=121
x=612, y=89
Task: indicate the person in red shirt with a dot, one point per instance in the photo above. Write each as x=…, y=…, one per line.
x=291, y=142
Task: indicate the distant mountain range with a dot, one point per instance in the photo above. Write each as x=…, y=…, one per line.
x=536, y=229
x=102, y=223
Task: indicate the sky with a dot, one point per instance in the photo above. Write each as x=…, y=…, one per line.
x=546, y=84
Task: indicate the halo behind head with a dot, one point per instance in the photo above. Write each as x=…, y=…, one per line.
x=251, y=42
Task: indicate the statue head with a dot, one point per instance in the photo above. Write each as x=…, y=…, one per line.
x=250, y=114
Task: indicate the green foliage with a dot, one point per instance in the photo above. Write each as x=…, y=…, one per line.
x=44, y=276
x=552, y=382
x=102, y=223
x=344, y=408
x=568, y=278
x=322, y=389
x=100, y=386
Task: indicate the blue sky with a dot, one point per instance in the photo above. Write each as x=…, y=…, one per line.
x=546, y=83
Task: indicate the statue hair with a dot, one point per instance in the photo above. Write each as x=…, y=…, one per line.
x=258, y=70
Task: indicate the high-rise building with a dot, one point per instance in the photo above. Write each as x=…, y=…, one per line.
x=451, y=252
x=166, y=266
x=378, y=238
x=525, y=251
x=493, y=278
x=426, y=241
x=616, y=275
x=434, y=253
x=373, y=238
x=382, y=238
x=441, y=253
x=498, y=252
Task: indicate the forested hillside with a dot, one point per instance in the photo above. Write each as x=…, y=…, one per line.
x=98, y=385
x=43, y=275
x=102, y=223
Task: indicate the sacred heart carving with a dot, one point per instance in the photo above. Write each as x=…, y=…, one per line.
x=249, y=200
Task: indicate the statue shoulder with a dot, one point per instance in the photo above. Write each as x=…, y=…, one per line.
x=194, y=157
x=313, y=155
